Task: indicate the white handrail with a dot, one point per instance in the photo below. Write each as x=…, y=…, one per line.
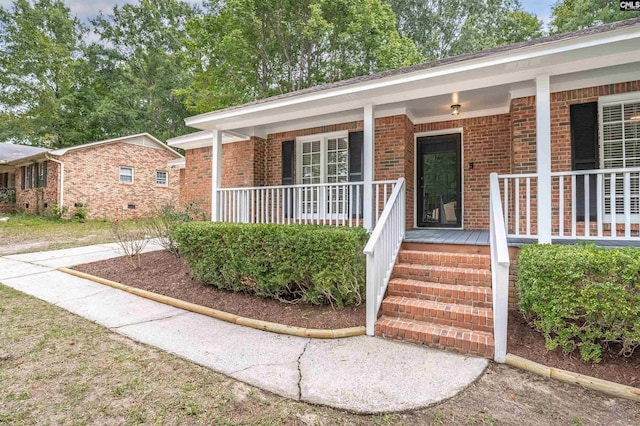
x=382, y=251
x=499, y=270
x=305, y=185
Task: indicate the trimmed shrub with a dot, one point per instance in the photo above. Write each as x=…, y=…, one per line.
x=582, y=297
x=315, y=264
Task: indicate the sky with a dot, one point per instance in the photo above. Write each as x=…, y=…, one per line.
x=89, y=8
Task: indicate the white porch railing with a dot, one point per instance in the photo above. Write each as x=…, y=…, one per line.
x=589, y=204
x=382, y=250
x=499, y=271
x=339, y=204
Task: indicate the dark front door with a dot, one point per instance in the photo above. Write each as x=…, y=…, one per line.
x=439, y=181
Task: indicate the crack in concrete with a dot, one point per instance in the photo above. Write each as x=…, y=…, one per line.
x=149, y=320
x=300, y=371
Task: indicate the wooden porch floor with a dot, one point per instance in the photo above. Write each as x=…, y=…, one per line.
x=481, y=238
x=447, y=236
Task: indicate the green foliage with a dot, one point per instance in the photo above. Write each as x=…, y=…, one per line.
x=442, y=28
x=41, y=43
x=140, y=64
x=7, y=195
x=243, y=50
x=80, y=213
x=164, y=222
x=582, y=297
x=315, y=264
x=57, y=212
x=572, y=15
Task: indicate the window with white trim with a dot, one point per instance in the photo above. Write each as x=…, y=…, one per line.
x=162, y=178
x=323, y=158
x=126, y=175
x=620, y=148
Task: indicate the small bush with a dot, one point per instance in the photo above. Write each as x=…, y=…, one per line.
x=132, y=240
x=163, y=223
x=57, y=212
x=582, y=297
x=80, y=214
x=315, y=264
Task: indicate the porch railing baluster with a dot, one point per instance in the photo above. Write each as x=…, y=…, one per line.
x=594, y=202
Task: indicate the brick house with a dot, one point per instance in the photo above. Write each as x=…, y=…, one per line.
x=8, y=153
x=451, y=164
x=122, y=178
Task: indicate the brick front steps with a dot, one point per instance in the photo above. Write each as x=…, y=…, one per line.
x=440, y=296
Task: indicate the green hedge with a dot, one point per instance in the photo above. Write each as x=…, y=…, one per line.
x=315, y=264
x=582, y=297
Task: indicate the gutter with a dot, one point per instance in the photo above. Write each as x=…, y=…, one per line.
x=61, y=190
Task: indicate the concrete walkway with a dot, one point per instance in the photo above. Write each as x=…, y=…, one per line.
x=360, y=374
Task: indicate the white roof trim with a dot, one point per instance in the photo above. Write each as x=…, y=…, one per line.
x=578, y=84
x=523, y=54
x=158, y=142
x=178, y=163
x=204, y=138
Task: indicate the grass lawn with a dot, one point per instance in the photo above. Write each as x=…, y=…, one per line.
x=57, y=368
x=27, y=233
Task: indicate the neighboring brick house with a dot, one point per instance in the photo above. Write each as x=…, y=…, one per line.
x=11, y=152
x=550, y=127
x=122, y=178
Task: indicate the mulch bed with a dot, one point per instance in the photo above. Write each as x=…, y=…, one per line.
x=524, y=341
x=161, y=272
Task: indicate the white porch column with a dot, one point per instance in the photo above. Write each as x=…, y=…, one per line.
x=543, y=157
x=216, y=174
x=367, y=166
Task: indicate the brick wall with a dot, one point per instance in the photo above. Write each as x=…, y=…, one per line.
x=273, y=147
x=486, y=144
x=243, y=165
x=196, y=188
x=409, y=171
x=37, y=200
x=92, y=179
x=523, y=113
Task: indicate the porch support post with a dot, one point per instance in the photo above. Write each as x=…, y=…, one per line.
x=216, y=174
x=543, y=157
x=367, y=166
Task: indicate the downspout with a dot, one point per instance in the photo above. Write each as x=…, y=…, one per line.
x=61, y=189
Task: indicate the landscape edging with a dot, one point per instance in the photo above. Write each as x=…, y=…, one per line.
x=593, y=383
x=224, y=316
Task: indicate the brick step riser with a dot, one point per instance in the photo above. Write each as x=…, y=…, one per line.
x=460, y=320
x=445, y=259
x=465, y=347
x=439, y=321
x=473, y=278
x=451, y=343
x=475, y=300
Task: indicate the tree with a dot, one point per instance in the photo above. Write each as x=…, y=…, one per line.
x=442, y=28
x=140, y=64
x=572, y=15
x=41, y=46
x=243, y=50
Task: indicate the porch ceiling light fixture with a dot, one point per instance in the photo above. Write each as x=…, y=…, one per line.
x=455, y=109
